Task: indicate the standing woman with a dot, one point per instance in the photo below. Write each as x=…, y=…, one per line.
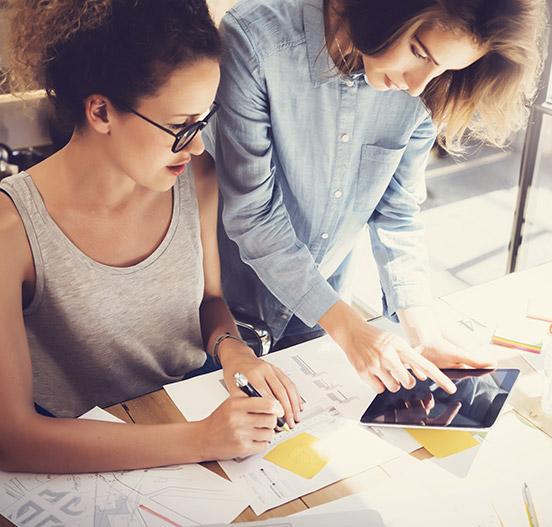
x=329, y=111
x=109, y=274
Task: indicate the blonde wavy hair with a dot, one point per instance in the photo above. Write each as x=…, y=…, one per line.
x=490, y=99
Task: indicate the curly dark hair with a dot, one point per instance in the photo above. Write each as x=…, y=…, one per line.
x=123, y=49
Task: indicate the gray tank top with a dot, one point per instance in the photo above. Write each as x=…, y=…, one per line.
x=97, y=334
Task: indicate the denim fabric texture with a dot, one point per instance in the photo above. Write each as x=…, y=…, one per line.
x=306, y=158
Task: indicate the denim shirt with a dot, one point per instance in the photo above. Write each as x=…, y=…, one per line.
x=306, y=158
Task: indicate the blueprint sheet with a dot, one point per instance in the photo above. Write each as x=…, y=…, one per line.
x=179, y=495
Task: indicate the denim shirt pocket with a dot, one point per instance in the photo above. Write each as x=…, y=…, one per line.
x=376, y=168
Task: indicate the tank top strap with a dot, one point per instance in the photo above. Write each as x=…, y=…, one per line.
x=23, y=193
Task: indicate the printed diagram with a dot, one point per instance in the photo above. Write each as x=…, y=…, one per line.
x=328, y=443
x=322, y=448
x=171, y=490
x=39, y=501
x=332, y=387
x=179, y=496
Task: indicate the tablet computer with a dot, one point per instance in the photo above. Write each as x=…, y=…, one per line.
x=480, y=395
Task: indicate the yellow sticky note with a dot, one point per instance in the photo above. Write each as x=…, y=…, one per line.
x=298, y=455
x=443, y=443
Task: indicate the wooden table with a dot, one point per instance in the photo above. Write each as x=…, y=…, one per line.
x=157, y=408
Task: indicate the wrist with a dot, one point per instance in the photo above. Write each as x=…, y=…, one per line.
x=229, y=349
x=419, y=325
x=200, y=431
x=184, y=442
x=339, y=321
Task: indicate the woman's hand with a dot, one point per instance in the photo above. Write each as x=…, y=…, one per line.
x=449, y=349
x=380, y=357
x=268, y=380
x=446, y=354
x=241, y=426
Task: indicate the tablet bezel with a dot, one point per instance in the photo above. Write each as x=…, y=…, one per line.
x=508, y=384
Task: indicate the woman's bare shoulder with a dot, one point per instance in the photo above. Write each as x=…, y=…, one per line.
x=13, y=238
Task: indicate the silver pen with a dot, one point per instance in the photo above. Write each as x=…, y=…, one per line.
x=243, y=384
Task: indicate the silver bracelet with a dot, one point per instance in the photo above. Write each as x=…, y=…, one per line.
x=218, y=341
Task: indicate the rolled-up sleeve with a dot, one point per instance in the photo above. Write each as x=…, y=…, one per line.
x=254, y=213
x=396, y=229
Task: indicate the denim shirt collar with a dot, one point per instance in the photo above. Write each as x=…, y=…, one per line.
x=321, y=65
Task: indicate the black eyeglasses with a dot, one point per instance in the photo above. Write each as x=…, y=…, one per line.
x=185, y=135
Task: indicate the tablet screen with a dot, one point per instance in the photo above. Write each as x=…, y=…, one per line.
x=479, y=397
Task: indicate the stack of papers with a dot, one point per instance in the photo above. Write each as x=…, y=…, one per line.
x=179, y=495
x=327, y=445
x=323, y=449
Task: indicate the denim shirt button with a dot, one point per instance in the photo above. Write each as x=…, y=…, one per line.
x=350, y=83
x=324, y=235
x=338, y=194
x=345, y=138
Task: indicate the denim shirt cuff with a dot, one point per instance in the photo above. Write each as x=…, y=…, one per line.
x=315, y=302
x=403, y=297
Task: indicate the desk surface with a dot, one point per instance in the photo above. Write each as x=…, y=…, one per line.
x=157, y=408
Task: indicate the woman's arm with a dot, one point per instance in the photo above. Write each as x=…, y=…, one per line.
x=396, y=234
x=32, y=443
x=215, y=315
x=255, y=215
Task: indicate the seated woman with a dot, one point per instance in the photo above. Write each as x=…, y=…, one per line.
x=110, y=273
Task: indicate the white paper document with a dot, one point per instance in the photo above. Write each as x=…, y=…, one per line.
x=513, y=452
x=509, y=298
x=319, y=369
x=326, y=446
x=402, y=504
x=362, y=518
x=507, y=308
x=179, y=495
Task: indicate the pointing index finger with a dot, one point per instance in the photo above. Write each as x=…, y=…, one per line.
x=433, y=372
